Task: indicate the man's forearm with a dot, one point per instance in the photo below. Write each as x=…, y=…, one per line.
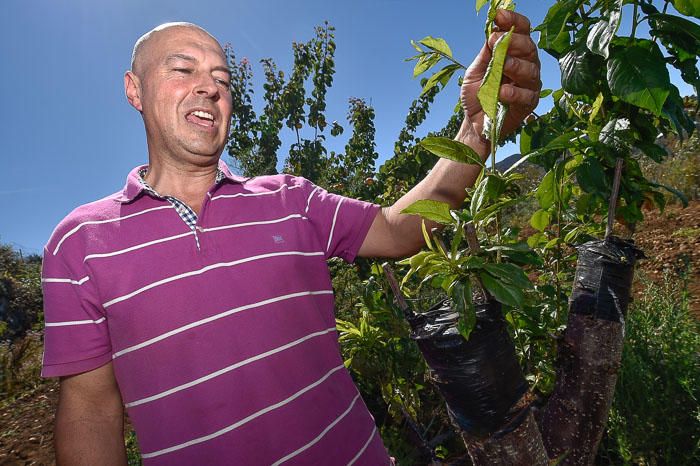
x=90, y=420
x=88, y=438
x=446, y=182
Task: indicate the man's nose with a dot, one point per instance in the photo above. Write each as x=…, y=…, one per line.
x=206, y=86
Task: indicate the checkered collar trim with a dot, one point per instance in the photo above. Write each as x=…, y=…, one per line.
x=135, y=183
x=142, y=178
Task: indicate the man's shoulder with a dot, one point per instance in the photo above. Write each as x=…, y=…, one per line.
x=272, y=182
x=105, y=209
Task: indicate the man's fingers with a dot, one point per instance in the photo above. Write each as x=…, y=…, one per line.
x=522, y=72
x=513, y=95
x=521, y=45
x=506, y=19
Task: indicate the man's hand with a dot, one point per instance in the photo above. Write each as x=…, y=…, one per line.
x=521, y=78
x=393, y=234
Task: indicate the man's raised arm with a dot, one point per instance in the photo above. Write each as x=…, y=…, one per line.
x=90, y=420
x=393, y=234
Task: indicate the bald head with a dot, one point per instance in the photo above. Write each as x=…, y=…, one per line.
x=141, y=53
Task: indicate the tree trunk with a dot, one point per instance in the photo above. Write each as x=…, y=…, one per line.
x=574, y=419
x=521, y=445
x=482, y=383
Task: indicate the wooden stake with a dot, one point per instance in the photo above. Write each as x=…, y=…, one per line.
x=394, y=284
x=472, y=240
x=613, y=198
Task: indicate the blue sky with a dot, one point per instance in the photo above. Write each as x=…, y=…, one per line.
x=69, y=136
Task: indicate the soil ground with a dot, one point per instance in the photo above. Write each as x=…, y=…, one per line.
x=671, y=242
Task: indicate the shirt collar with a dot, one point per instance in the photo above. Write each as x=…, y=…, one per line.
x=135, y=184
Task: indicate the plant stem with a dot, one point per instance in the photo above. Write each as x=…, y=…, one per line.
x=494, y=145
x=450, y=59
x=635, y=20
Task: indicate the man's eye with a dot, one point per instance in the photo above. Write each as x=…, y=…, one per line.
x=182, y=70
x=223, y=82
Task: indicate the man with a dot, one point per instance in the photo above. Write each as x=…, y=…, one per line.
x=201, y=301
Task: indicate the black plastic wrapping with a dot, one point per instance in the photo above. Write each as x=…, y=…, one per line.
x=479, y=378
x=603, y=280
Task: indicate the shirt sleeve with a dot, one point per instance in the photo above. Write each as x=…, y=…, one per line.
x=341, y=223
x=76, y=337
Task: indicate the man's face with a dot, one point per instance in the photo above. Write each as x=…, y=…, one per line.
x=184, y=96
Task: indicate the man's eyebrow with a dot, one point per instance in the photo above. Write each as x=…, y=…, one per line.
x=180, y=56
x=222, y=68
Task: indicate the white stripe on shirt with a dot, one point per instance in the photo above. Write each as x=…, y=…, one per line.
x=98, y=222
x=206, y=269
x=65, y=280
x=216, y=317
x=335, y=217
x=364, y=447
x=262, y=222
x=264, y=193
x=75, y=322
x=138, y=246
x=229, y=368
x=308, y=200
x=245, y=420
x=320, y=436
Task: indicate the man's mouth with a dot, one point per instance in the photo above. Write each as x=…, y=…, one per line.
x=201, y=118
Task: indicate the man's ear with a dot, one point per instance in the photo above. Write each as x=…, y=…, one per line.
x=132, y=88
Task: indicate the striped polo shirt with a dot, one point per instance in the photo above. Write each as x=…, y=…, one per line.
x=222, y=337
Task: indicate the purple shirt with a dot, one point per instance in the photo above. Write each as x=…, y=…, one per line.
x=226, y=353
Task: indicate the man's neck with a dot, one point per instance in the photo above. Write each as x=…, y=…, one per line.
x=188, y=184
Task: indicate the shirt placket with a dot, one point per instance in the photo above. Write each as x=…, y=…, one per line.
x=186, y=213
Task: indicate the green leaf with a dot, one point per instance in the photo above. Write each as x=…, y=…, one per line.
x=554, y=36
x=540, y=220
x=536, y=240
x=601, y=34
x=596, y=106
x=590, y=176
x=616, y=133
x=488, y=91
x=447, y=148
x=637, y=74
x=687, y=7
x=579, y=72
x=491, y=210
x=461, y=295
x=561, y=142
x=653, y=151
x=426, y=236
x=480, y=4
x=675, y=113
x=545, y=93
x=425, y=62
x=432, y=210
x=505, y=293
x=419, y=259
x=490, y=188
x=442, y=77
x=438, y=44
x=509, y=273
x=679, y=31
x=552, y=243
x=547, y=190
x=416, y=46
